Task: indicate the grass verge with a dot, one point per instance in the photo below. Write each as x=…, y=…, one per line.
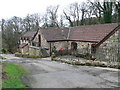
x=12, y=77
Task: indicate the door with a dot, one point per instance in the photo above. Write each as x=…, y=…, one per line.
x=73, y=46
x=39, y=40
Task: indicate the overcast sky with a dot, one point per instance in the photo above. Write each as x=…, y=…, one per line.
x=21, y=8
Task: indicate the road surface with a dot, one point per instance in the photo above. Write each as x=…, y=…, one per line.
x=44, y=73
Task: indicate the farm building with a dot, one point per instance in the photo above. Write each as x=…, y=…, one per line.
x=101, y=41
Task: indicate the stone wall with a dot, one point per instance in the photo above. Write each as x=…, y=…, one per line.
x=35, y=51
x=24, y=50
x=109, y=49
x=59, y=45
x=39, y=50
x=82, y=47
x=44, y=43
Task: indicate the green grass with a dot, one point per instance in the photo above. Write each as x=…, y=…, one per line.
x=14, y=72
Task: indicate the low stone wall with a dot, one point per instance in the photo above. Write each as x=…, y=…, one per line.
x=24, y=50
x=34, y=51
x=87, y=62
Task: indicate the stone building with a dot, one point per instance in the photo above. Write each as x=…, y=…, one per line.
x=99, y=40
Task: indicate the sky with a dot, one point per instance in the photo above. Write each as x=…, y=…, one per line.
x=20, y=8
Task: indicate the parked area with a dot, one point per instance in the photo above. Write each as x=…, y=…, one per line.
x=44, y=73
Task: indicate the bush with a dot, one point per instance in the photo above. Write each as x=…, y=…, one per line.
x=4, y=51
x=2, y=57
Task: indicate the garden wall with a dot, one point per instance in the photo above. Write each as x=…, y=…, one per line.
x=24, y=50
x=35, y=51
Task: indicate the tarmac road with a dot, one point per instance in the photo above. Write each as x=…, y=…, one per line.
x=44, y=73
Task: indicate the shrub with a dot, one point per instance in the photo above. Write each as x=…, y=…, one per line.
x=4, y=51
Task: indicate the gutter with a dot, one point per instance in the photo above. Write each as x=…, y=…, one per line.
x=71, y=40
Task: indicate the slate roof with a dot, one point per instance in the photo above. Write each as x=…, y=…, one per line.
x=88, y=33
x=91, y=32
x=55, y=34
x=29, y=35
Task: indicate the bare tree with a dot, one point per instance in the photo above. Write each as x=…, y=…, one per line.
x=45, y=21
x=52, y=15
x=72, y=14
x=68, y=18
x=31, y=22
x=83, y=9
x=61, y=21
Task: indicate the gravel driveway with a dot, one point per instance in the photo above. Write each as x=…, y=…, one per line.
x=44, y=73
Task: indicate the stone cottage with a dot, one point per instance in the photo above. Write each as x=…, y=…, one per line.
x=99, y=40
